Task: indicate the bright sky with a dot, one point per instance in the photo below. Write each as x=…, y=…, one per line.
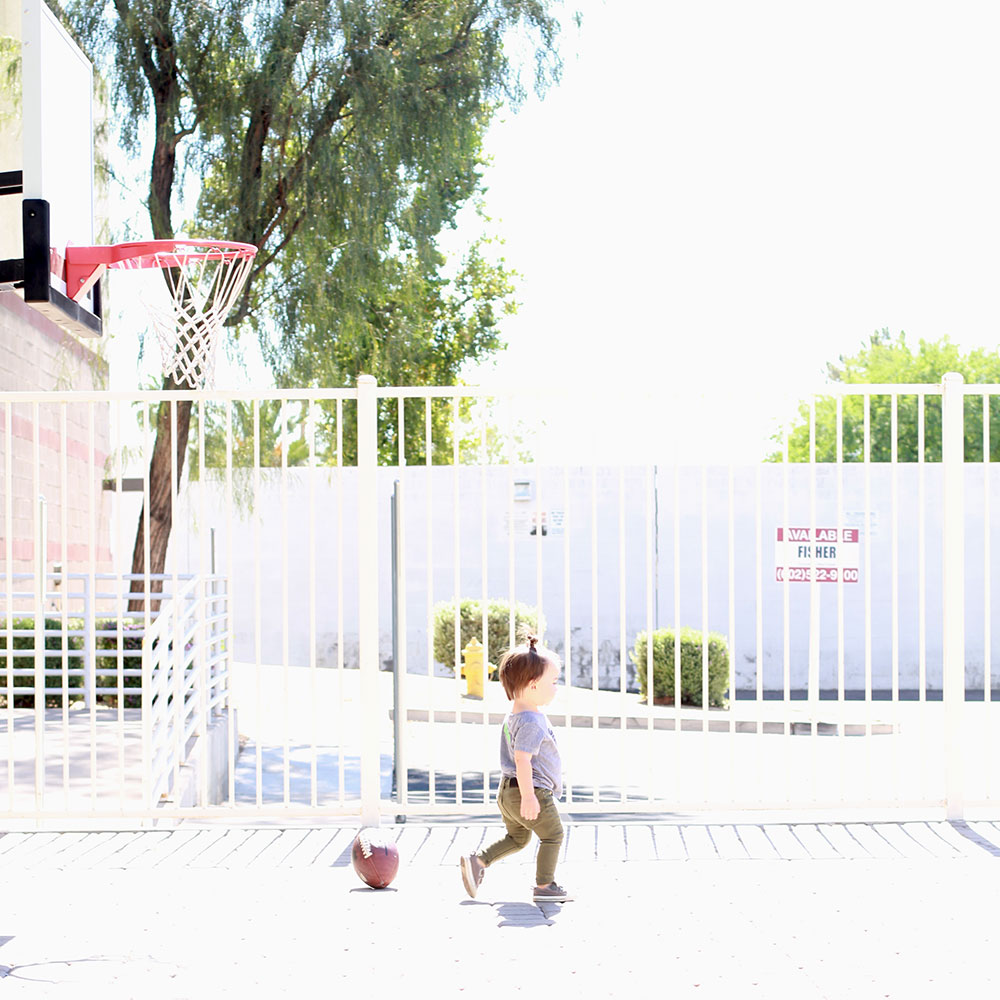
x=720, y=197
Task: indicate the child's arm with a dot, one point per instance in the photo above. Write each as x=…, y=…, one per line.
x=526, y=783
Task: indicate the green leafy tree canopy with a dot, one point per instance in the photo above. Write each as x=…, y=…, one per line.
x=340, y=137
x=886, y=360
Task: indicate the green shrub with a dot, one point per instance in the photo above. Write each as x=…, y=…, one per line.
x=53, y=664
x=663, y=665
x=107, y=666
x=526, y=619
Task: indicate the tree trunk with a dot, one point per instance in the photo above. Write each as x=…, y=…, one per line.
x=158, y=63
x=160, y=505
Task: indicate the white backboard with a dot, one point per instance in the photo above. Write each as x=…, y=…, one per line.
x=58, y=127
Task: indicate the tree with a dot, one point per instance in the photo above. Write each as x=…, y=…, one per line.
x=340, y=138
x=271, y=434
x=885, y=360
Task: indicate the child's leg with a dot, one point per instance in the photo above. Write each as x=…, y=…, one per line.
x=549, y=829
x=518, y=835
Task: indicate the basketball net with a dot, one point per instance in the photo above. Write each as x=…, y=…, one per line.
x=203, y=281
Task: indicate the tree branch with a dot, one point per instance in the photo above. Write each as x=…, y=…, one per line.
x=288, y=39
x=139, y=42
x=460, y=42
x=273, y=210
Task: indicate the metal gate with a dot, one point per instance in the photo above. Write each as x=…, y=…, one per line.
x=334, y=553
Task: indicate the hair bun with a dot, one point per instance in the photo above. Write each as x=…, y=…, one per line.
x=532, y=641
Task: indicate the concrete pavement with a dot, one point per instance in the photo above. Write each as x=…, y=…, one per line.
x=684, y=909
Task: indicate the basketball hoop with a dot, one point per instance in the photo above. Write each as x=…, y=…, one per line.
x=203, y=280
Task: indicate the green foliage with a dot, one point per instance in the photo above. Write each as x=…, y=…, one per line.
x=491, y=434
x=398, y=319
x=105, y=641
x=24, y=639
x=255, y=433
x=498, y=634
x=10, y=77
x=342, y=139
x=885, y=360
x=691, y=665
x=107, y=666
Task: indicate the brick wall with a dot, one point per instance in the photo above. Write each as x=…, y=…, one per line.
x=71, y=441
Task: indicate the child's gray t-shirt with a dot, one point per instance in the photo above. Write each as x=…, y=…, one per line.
x=531, y=732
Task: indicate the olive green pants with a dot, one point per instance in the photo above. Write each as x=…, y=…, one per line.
x=548, y=827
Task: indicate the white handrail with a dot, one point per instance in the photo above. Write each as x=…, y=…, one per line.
x=80, y=626
x=184, y=683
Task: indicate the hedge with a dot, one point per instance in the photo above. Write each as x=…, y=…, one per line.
x=526, y=619
x=107, y=665
x=53, y=664
x=691, y=653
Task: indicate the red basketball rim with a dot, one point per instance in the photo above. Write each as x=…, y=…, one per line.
x=85, y=265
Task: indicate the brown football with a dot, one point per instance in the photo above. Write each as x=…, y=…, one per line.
x=375, y=857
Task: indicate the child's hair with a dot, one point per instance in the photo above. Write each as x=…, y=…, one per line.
x=523, y=664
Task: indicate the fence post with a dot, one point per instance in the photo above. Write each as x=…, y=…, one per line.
x=204, y=689
x=89, y=639
x=41, y=552
x=953, y=588
x=398, y=648
x=146, y=711
x=368, y=597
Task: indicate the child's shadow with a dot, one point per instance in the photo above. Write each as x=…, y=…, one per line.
x=526, y=914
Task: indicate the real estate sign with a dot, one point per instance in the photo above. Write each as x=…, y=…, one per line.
x=832, y=552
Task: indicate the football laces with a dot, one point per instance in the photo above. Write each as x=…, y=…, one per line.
x=365, y=840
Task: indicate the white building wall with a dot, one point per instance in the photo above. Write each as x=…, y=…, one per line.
x=284, y=543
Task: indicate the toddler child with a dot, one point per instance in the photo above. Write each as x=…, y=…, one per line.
x=531, y=772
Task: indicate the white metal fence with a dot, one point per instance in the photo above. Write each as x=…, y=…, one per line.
x=89, y=655
x=343, y=703
x=98, y=710
x=185, y=689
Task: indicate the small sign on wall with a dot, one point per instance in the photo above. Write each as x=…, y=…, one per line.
x=526, y=522
x=832, y=552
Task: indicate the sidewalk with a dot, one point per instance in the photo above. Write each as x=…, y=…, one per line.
x=686, y=909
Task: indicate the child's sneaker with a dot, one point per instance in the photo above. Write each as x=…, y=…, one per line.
x=551, y=893
x=472, y=873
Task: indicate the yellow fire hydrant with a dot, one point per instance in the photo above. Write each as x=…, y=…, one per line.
x=473, y=656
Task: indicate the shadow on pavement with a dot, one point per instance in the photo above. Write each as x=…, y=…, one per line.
x=525, y=914
x=977, y=839
x=446, y=785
